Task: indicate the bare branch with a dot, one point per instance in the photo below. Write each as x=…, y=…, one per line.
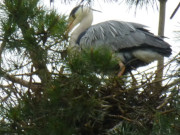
x=22, y=82
x=176, y=9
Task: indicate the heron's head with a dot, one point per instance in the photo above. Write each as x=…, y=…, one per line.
x=77, y=15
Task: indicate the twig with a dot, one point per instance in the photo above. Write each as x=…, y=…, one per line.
x=175, y=82
x=174, y=12
x=166, y=101
x=14, y=79
x=168, y=111
x=120, y=117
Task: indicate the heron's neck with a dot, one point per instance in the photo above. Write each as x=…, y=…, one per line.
x=84, y=24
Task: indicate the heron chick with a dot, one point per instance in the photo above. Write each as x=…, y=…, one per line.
x=134, y=45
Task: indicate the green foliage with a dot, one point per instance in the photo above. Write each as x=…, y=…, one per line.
x=165, y=125
x=126, y=128
x=44, y=93
x=98, y=60
x=61, y=110
x=36, y=24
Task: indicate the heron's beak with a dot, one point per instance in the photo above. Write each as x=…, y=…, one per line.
x=70, y=25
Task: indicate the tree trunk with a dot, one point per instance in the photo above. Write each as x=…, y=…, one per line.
x=160, y=65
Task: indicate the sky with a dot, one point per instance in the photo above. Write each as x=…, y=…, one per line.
x=121, y=12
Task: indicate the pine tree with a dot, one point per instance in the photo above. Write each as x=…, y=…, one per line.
x=46, y=90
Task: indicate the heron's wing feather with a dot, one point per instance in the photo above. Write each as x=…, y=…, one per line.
x=121, y=35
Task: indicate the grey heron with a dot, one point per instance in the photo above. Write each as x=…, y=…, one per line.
x=134, y=45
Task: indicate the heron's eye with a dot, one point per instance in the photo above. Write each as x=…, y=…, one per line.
x=73, y=12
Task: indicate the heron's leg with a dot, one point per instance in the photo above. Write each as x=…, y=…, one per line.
x=122, y=69
x=91, y=51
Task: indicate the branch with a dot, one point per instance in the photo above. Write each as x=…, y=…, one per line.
x=37, y=53
x=120, y=117
x=22, y=82
x=174, y=83
x=176, y=9
x=2, y=48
